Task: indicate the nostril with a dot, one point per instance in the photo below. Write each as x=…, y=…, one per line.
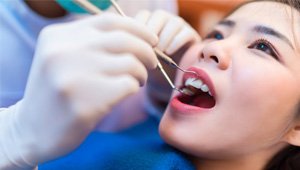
x=215, y=58
x=202, y=56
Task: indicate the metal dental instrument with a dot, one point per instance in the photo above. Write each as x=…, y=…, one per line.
x=170, y=62
x=158, y=52
x=94, y=10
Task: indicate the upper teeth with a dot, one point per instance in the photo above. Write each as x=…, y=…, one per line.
x=197, y=83
x=204, y=88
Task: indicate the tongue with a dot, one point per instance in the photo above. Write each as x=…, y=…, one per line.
x=204, y=101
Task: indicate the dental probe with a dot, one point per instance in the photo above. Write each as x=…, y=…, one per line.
x=170, y=62
x=94, y=10
x=158, y=52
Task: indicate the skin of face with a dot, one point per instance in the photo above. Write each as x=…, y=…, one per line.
x=257, y=95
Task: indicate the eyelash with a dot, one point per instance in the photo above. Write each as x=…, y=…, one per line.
x=273, y=52
x=213, y=34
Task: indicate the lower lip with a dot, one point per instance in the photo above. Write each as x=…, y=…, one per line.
x=178, y=107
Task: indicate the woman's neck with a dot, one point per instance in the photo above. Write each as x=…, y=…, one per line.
x=229, y=164
x=49, y=9
x=255, y=161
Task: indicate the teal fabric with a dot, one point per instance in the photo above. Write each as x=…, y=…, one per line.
x=137, y=148
x=71, y=6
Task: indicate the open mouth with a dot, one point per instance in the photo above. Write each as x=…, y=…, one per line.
x=197, y=93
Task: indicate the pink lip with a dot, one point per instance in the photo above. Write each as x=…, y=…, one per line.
x=177, y=106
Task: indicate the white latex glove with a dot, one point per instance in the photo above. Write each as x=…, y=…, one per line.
x=172, y=30
x=174, y=33
x=80, y=71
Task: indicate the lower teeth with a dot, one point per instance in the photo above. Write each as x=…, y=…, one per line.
x=188, y=92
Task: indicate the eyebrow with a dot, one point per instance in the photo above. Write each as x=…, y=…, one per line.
x=260, y=29
x=227, y=23
x=270, y=31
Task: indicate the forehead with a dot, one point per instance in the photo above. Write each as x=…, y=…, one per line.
x=278, y=16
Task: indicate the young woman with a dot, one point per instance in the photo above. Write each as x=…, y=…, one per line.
x=244, y=116
x=80, y=70
x=243, y=113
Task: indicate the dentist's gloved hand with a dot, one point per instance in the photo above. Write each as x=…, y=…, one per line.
x=175, y=36
x=80, y=71
x=172, y=30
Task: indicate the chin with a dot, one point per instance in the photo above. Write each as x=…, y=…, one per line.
x=176, y=140
x=175, y=136
x=173, y=133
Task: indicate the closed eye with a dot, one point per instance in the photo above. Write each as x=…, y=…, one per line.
x=266, y=47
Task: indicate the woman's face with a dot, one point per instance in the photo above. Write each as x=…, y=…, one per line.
x=251, y=65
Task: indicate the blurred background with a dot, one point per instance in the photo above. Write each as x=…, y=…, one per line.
x=203, y=14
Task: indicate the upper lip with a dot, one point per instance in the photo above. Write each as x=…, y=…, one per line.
x=201, y=75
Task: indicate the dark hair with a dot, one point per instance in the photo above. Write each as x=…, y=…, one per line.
x=292, y=3
x=289, y=157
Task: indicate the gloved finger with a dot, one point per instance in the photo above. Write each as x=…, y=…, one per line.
x=142, y=16
x=116, y=65
x=186, y=35
x=157, y=21
x=172, y=27
x=91, y=97
x=119, y=88
x=109, y=22
x=127, y=43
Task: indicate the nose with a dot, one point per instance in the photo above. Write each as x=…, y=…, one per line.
x=216, y=52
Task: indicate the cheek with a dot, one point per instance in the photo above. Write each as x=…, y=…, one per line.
x=264, y=88
x=265, y=97
x=191, y=57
